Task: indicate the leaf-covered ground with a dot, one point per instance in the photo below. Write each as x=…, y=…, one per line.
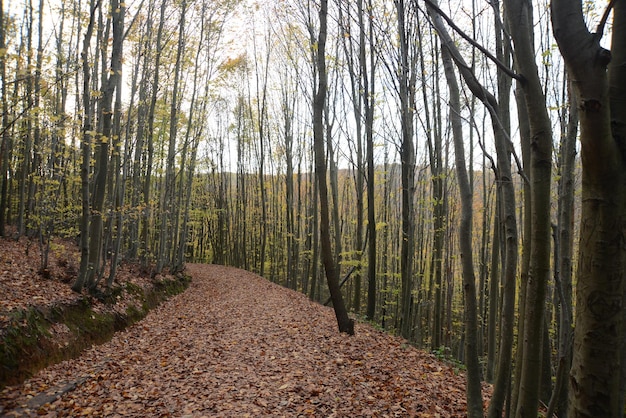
x=25, y=282
x=236, y=345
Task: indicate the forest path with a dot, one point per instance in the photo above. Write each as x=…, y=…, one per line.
x=235, y=345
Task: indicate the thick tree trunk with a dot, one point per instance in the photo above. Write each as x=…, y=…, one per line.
x=595, y=376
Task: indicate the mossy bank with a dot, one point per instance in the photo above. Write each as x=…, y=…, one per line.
x=38, y=337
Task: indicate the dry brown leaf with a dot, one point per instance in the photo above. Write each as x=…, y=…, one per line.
x=235, y=344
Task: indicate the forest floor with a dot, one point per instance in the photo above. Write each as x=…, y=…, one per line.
x=235, y=345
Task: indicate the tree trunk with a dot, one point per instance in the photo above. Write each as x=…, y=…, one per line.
x=110, y=84
x=27, y=149
x=86, y=155
x=507, y=193
x=169, y=211
x=5, y=134
x=564, y=241
x=407, y=160
x=146, y=250
x=356, y=68
x=474, y=396
x=344, y=322
x=119, y=173
x=142, y=113
x=369, y=84
x=595, y=376
x=494, y=290
x=524, y=128
x=520, y=22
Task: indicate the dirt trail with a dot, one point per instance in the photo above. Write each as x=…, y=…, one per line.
x=236, y=345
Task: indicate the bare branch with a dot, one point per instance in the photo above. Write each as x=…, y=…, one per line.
x=605, y=17
x=469, y=39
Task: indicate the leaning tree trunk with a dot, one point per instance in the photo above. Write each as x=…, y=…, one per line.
x=595, y=386
x=332, y=274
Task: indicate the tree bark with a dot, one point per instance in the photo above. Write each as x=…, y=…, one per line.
x=474, y=396
x=564, y=245
x=507, y=207
x=110, y=84
x=369, y=85
x=5, y=134
x=595, y=376
x=407, y=158
x=169, y=211
x=86, y=154
x=520, y=22
x=344, y=322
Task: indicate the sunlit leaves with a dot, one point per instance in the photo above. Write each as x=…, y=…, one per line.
x=238, y=63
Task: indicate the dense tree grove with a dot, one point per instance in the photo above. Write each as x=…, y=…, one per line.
x=414, y=162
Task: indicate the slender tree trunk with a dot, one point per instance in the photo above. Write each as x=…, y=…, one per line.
x=146, y=251
x=27, y=149
x=168, y=210
x=474, y=396
x=334, y=189
x=119, y=174
x=520, y=22
x=355, y=70
x=494, y=288
x=564, y=243
x=288, y=104
x=5, y=134
x=262, y=127
x=504, y=177
x=344, y=322
x=369, y=85
x=110, y=84
x=35, y=168
x=140, y=149
x=86, y=154
x=193, y=134
x=524, y=128
x=407, y=160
